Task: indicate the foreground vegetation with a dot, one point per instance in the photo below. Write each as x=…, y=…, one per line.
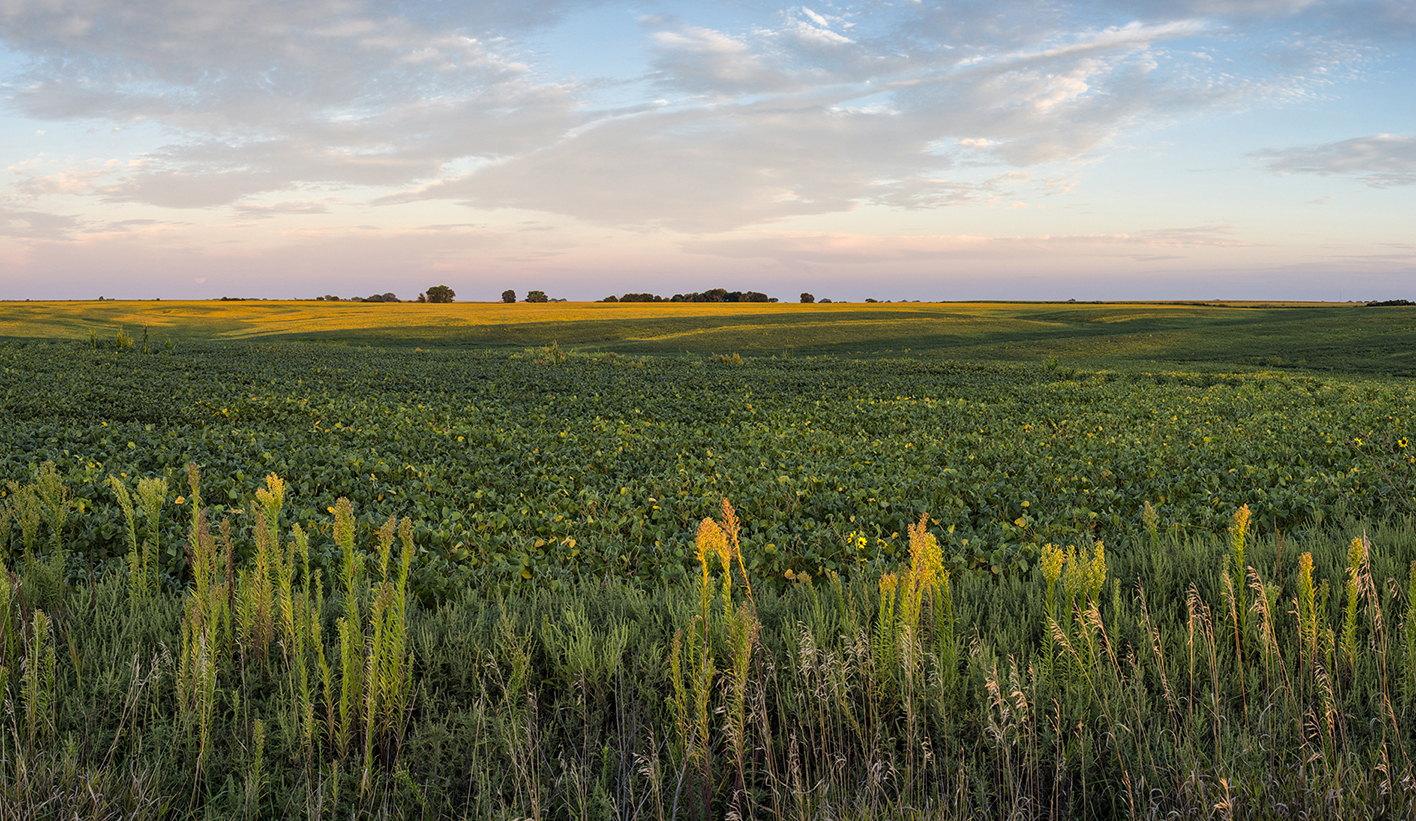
x=1211, y=677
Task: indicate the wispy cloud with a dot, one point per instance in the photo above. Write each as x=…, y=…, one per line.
x=840, y=248
x=769, y=128
x=36, y=225
x=283, y=208
x=1380, y=161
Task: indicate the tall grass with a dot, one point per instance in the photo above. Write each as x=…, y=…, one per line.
x=1200, y=677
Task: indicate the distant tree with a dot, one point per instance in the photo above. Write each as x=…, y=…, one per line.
x=330, y=298
x=508, y=295
x=807, y=298
x=536, y=296
x=440, y=293
x=825, y=301
x=374, y=298
x=868, y=299
x=422, y=298
x=610, y=298
x=390, y=297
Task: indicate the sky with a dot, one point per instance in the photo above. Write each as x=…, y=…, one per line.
x=989, y=149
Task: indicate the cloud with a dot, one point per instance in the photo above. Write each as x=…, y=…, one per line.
x=804, y=110
x=859, y=249
x=282, y=208
x=1381, y=161
x=1231, y=9
x=700, y=169
x=700, y=60
x=773, y=130
x=73, y=181
x=175, y=189
x=176, y=39
x=268, y=96
x=220, y=61
x=36, y=225
x=1384, y=20
x=388, y=146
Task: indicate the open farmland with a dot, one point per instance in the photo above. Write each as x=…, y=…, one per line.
x=519, y=611
x=1345, y=338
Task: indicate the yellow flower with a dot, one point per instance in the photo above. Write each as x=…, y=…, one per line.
x=1053, y=559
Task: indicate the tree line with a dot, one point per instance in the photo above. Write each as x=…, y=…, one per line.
x=437, y=293
x=710, y=295
x=444, y=294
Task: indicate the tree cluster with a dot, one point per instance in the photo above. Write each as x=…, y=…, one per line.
x=711, y=295
x=722, y=295
x=440, y=293
x=509, y=296
x=1390, y=303
x=386, y=297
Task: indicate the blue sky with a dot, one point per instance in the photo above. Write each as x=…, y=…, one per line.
x=1241, y=149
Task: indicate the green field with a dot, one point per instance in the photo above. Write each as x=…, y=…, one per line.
x=1329, y=337
x=568, y=639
